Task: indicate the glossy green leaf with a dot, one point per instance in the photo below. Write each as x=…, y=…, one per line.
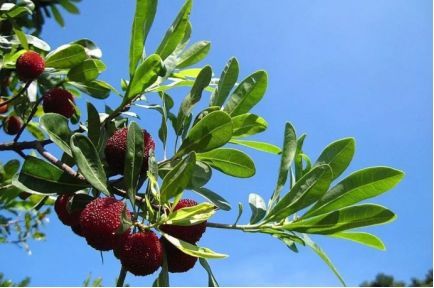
x=96, y=88
x=21, y=37
x=133, y=159
x=93, y=124
x=143, y=19
x=58, y=130
x=212, y=282
x=304, y=193
x=257, y=145
x=258, y=207
x=66, y=56
x=84, y=72
x=338, y=155
x=188, y=216
x=57, y=16
x=178, y=178
x=202, y=173
x=361, y=238
x=360, y=185
x=193, y=54
x=248, y=124
x=193, y=250
x=213, y=131
x=227, y=81
x=69, y=6
x=88, y=162
x=298, y=159
x=40, y=177
x=247, y=94
x=343, y=219
x=92, y=50
x=35, y=130
x=229, y=161
x=214, y=198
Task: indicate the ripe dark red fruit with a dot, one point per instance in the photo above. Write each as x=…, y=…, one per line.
x=141, y=253
x=3, y=108
x=67, y=218
x=30, y=66
x=177, y=261
x=60, y=101
x=190, y=234
x=100, y=220
x=116, y=148
x=12, y=125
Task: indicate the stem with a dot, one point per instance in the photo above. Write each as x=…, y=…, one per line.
x=32, y=113
x=121, y=278
x=20, y=92
x=231, y=226
x=23, y=145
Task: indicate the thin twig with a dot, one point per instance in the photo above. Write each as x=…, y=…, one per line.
x=121, y=278
x=20, y=92
x=23, y=145
x=32, y=113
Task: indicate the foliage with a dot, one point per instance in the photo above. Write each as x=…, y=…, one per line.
x=383, y=280
x=309, y=197
x=8, y=283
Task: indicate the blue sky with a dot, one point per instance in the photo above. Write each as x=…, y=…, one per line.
x=336, y=69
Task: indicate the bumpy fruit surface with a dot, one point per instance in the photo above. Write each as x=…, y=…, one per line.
x=30, y=66
x=116, y=148
x=177, y=261
x=67, y=218
x=60, y=101
x=100, y=220
x=12, y=125
x=141, y=253
x=192, y=233
x=3, y=108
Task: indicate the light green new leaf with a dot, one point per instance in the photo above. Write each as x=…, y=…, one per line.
x=188, y=216
x=21, y=37
x=361, y=238
x=193, y=250
x=257, y=145
x=66, y=56
x=85, y=71
x=258, y=207
x=88, y=162
x=133, y=159
x=212, y=282
x=227, y=81
x=212, y=131
x=143, y=19
x=247, y=94
x=58, y=130
x=214, y=198
x=96, y=88
x=229, y=161
x=194, y=54
x=248, y=124
x=338, y=155
x=343, y=219
x=360, y=185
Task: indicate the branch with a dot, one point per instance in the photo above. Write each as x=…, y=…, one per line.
x=32, y=113
x=20, y=92
x=18, y=146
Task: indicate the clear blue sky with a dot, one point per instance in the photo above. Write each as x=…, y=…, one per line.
x=336, y=69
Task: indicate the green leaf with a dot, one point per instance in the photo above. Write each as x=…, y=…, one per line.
x=11, y=168
x=323, y=256
x=257, y=145
x=258, y=207
x=34, y=129
x=96, y=88
x=193, y=250
x=212, y=282
x=69, y=6
x=144, y=76
x=227, y=81
x=58, y=130
x=194, y=54
x=214, y=198
x=57, y=16
x=343, y=219
x=298, y=159
x=88, y=162
x=133, y=159
x=247, y=94
x=213, y=131
x=178, y=178
x=288, y=153
x=163, y=278
x=201, y=175
x=229, y=161
x=66, y=56
x=362, y=238
x=90, y=47
x=175, y=34
x=21, y=37
x=188, y=216
x=360, y=185
x=40, y=177
x=84, y=72
x=143, y=19
x=338, y=155
x=248, y=124
x=93, y=124
x=304, y=193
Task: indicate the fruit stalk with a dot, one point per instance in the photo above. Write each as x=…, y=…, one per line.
x=121, y=278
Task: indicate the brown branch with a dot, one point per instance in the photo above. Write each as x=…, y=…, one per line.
x=32, y=113
x=18, y=146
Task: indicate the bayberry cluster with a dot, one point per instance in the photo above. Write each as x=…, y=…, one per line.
x=30, y=66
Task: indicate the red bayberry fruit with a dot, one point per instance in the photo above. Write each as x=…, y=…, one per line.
x=116, y=148
x=190, y=234
x=12, y=125
x=99, y=222
x=4, y=107
x=177, y=261
x=30, y=66
x=141, y=253
x=60, y=101
x=67, y=218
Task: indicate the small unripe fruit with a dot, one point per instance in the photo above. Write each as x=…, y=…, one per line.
x=116, y=148
x=99, y=222
x=12, y=125
x=30, y=66
x=4, y=107
x=177, y=261
x=60, y=101
x=140, y=253
x=190, y=234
